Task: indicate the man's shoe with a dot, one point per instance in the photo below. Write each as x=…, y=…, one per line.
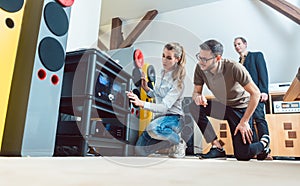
x=215, y=153
x=269, y=157
x=265, y=154
x=178, y=151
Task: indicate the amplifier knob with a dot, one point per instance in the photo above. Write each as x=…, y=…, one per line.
x=111, y=97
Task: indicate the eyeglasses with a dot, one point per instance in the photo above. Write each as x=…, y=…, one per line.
x=204, y=60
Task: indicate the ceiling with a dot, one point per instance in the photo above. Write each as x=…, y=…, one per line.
x=135, y=9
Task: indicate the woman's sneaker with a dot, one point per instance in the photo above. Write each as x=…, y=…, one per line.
x=214, y=153
x=178, y=151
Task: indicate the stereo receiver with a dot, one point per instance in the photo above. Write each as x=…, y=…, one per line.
x=286, y=106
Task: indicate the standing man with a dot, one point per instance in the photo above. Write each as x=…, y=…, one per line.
x=236, y=96
x=256, y=66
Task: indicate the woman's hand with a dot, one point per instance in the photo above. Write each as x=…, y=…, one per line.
x=134, y=99
x=144, y=83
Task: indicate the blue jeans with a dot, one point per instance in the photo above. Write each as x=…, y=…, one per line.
x=162, y=132
x=233, y=116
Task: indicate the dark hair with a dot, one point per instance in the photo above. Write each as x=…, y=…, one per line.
x=241, y=38
x=214, y=46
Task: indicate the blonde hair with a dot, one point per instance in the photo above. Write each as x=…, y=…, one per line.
x=179, y=53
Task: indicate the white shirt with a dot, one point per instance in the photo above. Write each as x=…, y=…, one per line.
x=168, y=97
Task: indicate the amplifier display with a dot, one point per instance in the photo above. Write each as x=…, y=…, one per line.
x=286, y=106
x=110, y=90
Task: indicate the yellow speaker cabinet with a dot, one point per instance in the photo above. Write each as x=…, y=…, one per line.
x=11, y=14
x=145, y=115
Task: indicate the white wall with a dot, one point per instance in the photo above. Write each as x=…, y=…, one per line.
x=84, y=24
x=266, y=30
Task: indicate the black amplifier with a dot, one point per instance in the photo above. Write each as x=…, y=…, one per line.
x=108, y=128
x=110, y=90
x=92, y=74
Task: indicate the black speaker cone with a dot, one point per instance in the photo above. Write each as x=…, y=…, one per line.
x=136, y=92
x=151, y=73
x=136, y=77
x=56, y=19
x=11, y=5
x=52, y=54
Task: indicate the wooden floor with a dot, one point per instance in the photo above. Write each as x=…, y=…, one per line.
x=120, y=171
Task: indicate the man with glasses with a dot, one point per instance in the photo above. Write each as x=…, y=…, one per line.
x=236, y=97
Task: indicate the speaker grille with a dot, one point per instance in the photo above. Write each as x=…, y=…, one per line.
x=187, y=133
x=52, y=54
x=56, y=19
x=11, y=6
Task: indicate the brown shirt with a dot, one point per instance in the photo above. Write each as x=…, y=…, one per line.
x=227, y=84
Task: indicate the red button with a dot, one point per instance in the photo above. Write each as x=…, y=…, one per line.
x=66, y=2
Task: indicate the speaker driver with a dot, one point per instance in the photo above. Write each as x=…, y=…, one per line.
x=136, y=77
x=151, y=73
x=11, y=6
x=51, y=54
x=188, y=130
x=56, y=19
x=188, y=119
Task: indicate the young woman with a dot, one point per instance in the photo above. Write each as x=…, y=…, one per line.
x=163, y=131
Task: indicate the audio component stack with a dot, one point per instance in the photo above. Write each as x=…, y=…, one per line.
x=94, y=87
